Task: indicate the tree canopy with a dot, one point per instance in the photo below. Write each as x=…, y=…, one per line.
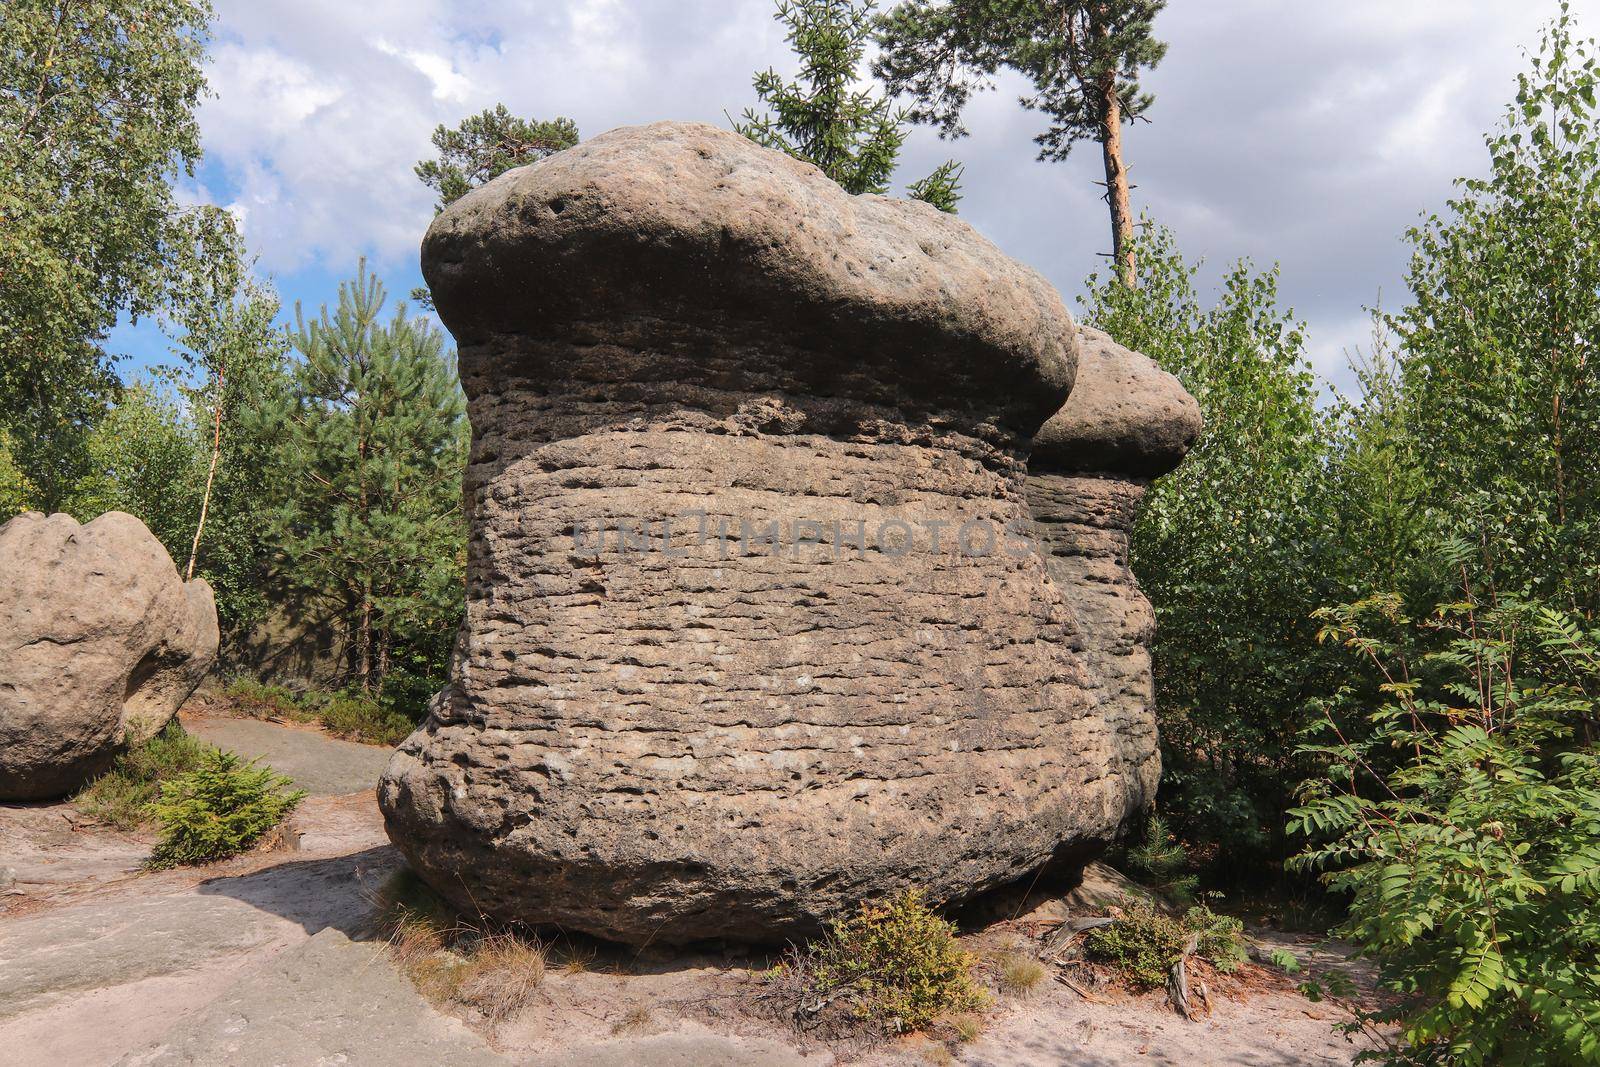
x=97, y=102
x=1082, y=57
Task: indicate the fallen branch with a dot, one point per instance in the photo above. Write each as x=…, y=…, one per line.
x=1076, y=988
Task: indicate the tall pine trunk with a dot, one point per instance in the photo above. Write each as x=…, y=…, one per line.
x=1117, y=197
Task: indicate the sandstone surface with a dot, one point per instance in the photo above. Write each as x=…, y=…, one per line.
x=100, y=642
x=1126, y=422
x=757, y=624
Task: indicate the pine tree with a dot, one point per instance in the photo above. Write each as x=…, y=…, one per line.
x=372, y=445
x=480, y=149
x=853, y=135
x=486, y=145
x=1082, y=56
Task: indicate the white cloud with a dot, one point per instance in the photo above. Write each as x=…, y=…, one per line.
x=1310, y=134
x=448, y=85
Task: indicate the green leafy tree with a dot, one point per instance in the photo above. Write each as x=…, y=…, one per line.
x=1375, y=493
x=851, y=134
x=1231, y=547
x=97, y=103
x=142, y=458
x=486, y=145
x=1083, y=58
x=235, y=374
x=372, y=445
x=17, y=493
x=1464, y=823
x=1501, y=338
x=232, y=354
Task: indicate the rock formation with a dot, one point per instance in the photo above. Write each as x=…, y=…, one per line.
x=756, y=624
x=1126, y=422
x=100, y=642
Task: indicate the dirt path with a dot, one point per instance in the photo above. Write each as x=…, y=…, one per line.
x=319, y=764
x=269, y=959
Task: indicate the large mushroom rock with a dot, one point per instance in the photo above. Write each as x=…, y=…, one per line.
x=756, y=628
x=1126, y=423
x=100, y=642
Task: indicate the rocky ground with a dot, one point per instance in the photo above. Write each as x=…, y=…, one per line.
x=270, y=959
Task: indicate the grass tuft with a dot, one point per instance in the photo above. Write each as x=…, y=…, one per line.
x=1020, y=974
x=634, y=1020
x=122, y=796
x=501, y=975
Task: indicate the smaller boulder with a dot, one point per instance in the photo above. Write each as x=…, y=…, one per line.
x=100, y=642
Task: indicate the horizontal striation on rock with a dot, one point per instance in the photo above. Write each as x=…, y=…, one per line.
x=758, y=624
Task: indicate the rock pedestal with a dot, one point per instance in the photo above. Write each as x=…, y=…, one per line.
x=756, y=624
x=1126, y=423
x=100, y=642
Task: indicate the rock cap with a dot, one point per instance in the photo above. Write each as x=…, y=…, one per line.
x=1125, y=416
x=675, y=224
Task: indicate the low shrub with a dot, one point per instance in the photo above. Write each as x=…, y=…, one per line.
x=360, y=718
x=219, y=809
x=262, y=701
x=350, y=714
x=1219, y=939
x=896, y=962
x=122, y=796
x=1144, y=942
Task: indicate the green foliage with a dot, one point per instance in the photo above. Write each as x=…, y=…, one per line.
x=853, y=135
x=219, y=809
x=143, y=458
x=232, y=359
x=1219, y=939
x=942, y=188
x=1500, y=380
x=486, y=145
x=1464, y=823
x=350, y=714
x=1232, y=548
x=1144, y=942
x=371, y=443
x=896, y=961
x=1161, y=862
x=97, y=104
x=17, y=493
x=122, y=796
x=942, y=51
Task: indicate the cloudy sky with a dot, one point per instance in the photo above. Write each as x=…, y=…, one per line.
x=1308, y=134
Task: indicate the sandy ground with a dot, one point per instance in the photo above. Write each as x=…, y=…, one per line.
x=269, y=959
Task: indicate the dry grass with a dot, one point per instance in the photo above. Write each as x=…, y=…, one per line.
x=451, y=961
x=633, y=1020
x=501, y=975
x=968, y=1026
x=1019, y=974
